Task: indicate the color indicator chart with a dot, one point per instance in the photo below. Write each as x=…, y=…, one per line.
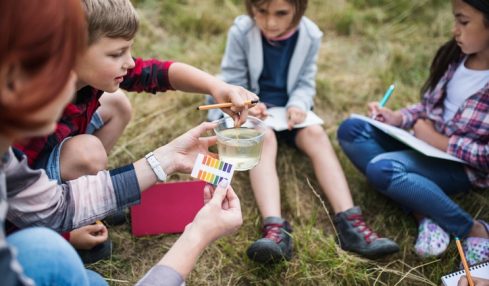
x=212, y=170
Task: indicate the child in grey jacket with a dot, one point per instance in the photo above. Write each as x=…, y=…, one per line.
x=272, y=51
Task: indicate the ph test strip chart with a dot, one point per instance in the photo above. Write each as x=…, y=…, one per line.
x=212, y=170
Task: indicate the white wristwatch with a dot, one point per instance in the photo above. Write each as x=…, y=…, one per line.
x=155, y=165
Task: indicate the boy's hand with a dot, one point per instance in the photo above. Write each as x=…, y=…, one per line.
x=383, y=114
x=237, y=95
x=295, y=116
x=259, y=111
x=89, y=236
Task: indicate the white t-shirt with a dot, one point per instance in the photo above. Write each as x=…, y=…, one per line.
x=464, y=83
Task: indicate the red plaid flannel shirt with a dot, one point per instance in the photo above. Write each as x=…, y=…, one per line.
x=147, y=75
x=468, y=130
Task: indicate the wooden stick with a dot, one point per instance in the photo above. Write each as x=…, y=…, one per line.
x=225, y=105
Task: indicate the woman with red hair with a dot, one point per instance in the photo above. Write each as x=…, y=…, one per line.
x=40, y=44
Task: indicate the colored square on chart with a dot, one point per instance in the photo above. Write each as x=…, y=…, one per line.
x=167, y=208
x=212, y=170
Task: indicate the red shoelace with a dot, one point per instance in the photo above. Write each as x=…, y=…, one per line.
x=272, y=231
x=361, y=226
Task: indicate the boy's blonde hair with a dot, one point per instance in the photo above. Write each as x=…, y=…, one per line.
x=110, y=18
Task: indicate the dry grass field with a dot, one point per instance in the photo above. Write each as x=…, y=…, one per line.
x=368, y=45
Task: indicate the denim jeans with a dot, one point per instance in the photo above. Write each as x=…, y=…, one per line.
x=419, y=183
x=48, y=259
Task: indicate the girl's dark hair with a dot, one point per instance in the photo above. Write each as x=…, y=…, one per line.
x=450, y=51
x=299, y=5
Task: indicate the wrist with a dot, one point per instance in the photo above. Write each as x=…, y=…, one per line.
x=165, y=157
x=215, y=88
x=184, y=253
x=397, y=118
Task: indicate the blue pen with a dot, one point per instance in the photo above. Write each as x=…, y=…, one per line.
x=387, y=94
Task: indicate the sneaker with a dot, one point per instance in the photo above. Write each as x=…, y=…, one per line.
x=476, y=248
x=356, y=236
x=99, y=252
x=116, y=218
x=432, y=239
x=276, y=243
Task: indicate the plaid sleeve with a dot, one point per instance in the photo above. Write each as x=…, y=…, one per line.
x=471, y=143
x=149, y=76
x=411, y=114
x=472, y=152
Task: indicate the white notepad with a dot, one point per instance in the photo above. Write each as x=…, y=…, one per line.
x=278, y=119
x=479, y=270
x=408, y=139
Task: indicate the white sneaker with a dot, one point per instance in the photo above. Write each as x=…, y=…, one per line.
x=432, y=239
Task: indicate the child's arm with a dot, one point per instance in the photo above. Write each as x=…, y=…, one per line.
x=234, y=67
x=424, y=129
x=190, y=79
x=302, y=96
x=158, y=76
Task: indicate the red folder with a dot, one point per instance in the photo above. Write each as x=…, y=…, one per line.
x=167, y=208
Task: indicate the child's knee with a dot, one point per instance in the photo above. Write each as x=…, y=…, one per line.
x=269, y=136
x=119, y=103
x=85, y=153
x=123, y=105
x=314, y=131
x=380, y=173
x=350, y=129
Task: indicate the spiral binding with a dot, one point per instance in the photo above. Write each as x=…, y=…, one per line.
x=462, y=272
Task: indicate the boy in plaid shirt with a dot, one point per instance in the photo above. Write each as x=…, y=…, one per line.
x=92, y=123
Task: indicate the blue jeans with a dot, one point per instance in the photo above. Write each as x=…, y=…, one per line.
x=419, y=183
x=48, y=259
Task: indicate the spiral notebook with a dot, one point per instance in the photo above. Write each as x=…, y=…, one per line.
x=479, y=270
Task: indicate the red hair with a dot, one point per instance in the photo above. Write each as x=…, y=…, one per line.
x=44, y=38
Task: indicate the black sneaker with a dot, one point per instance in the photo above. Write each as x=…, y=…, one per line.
x=357, y=237
x=116, y=218
x=276, y=243
x=99, y=252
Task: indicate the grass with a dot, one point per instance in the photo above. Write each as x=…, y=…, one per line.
x=368, y=44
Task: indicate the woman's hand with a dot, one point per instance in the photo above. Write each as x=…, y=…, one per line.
x=220, y=216
x=383, y=114
x=182, y=151
x=295, y=116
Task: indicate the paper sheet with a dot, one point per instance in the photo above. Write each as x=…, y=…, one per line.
x=278, y=119
x=408, y=139
x=212, y=170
